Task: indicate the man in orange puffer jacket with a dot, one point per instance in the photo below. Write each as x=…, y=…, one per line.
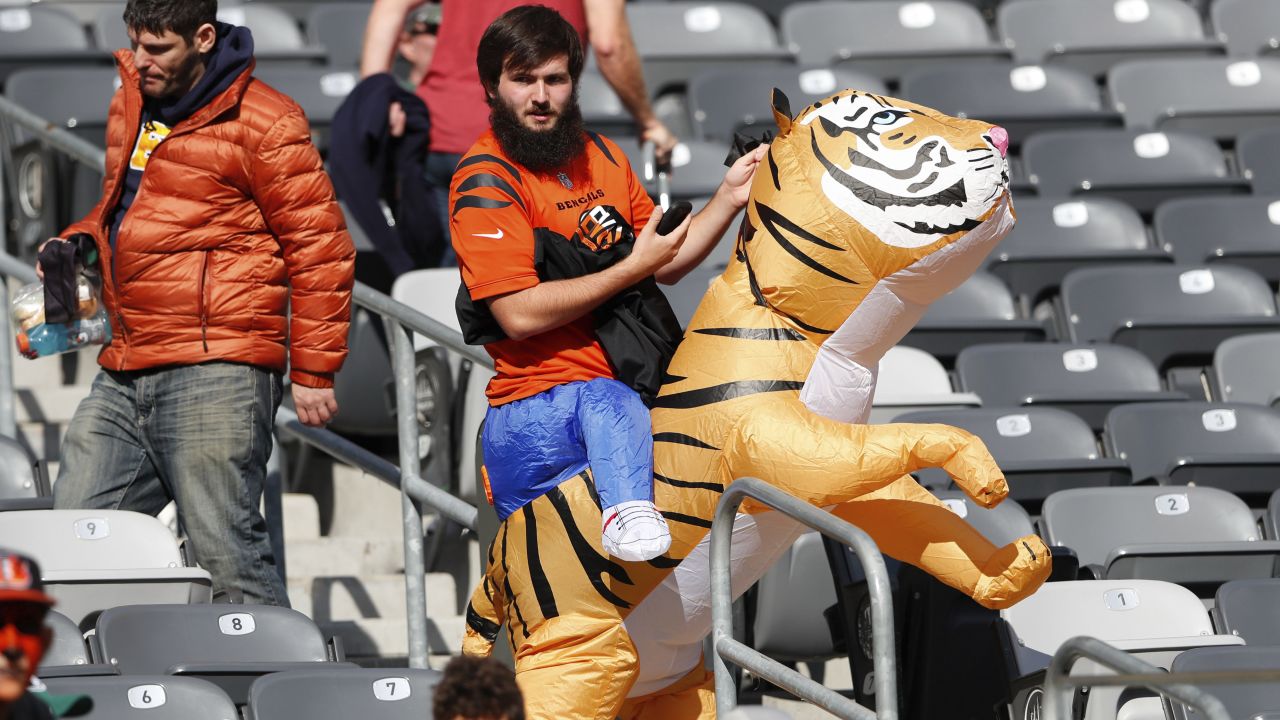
x=223, y=255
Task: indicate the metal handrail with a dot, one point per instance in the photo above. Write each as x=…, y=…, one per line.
x=1059, y=684
x=726, y=647
x=401, y=322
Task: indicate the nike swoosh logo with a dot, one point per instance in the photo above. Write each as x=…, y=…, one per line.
x=495, y=236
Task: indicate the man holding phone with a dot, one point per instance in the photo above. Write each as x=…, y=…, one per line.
x=537, y=170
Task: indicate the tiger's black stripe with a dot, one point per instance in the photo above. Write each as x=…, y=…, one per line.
x=595, y=138
x=589, y=481
x=538, y=575
x=773, y=170
x=682, y=439
x=761, y=302
x=668, y=378
x=485, y=627
x=475, y=159
x=473, y=201
x=753, y=333
x=687, y=519
x=489, y=180
x=794, y=251
x=592, y=563
x=511, y=596
x=716, y=487
x=724, y=391
x=662, y=562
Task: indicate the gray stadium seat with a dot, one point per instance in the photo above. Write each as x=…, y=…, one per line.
x=602, y=109
x=1237, y=230
x=228, y=645
x=1040, y=450
x=68, y=644
x=369, y=694
x=1250, y=609
x=1140, y=168
x=1233, y=447
x=697, y=168
x=23, y=484
x=731, y=100
x=1087, y=380
x=980, y=310
x=1153, y=620
x=789, y=625
x=1244, y=370
x=1259, y=155
x=1175, y=315
x=148, y=696
x=34, y=35
x=80, y=103
x=1093, y=35
x=1219, y=97
x=1022, y=99
x=677, y=40
x=1001, y=524
x=1199, y=537
x=1055, y=236
x=1242, y=700
x=722, y=253
x=96, y=559
x=318, y=91
x=1248, y=27
x=888, y=38
x=1271, y=517
x=911, y=379
x=338, y=27
x=686, y=295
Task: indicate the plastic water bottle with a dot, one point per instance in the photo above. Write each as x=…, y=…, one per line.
x=52, y=338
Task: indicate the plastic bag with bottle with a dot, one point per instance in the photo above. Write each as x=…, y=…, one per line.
x=87, y=325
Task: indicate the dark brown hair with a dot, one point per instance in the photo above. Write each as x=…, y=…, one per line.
x=183, y=17
x=477, y=689
x=524, y=38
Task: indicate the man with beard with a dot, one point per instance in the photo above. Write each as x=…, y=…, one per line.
x=556, y=406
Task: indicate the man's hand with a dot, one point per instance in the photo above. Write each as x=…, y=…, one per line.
x=315, y=406
x=395, y=119
x=737, y=181
x=40, y=270
x=652, y=251
x=660, y=135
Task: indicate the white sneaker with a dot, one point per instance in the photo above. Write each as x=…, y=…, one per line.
x=635, y=531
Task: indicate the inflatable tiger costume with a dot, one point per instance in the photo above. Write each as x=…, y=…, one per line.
x=865, y=210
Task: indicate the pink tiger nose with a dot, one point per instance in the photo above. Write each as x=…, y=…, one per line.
x=1000, y=138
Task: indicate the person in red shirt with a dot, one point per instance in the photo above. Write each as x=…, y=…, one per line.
x=556, y=406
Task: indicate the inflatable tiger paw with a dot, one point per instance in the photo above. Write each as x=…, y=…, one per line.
x=865, y=210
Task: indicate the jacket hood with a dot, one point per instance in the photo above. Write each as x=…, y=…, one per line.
x=231, y=56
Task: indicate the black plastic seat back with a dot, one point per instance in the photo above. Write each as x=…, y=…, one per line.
x=369, y=694
x=1248, y=27
x=339, y=29
x=1220, y=97
x=1241, y=230
x=37, y=30
x=1259, y=155
x=1250, y=609
x=1241, y=700
x=154, y=697
x=1244, y=369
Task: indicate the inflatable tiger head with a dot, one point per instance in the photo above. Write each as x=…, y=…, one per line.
x=869, y=199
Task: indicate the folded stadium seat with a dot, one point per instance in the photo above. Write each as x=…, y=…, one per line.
x=1198, y=537
x=1217, y=97
x=1150, y=619
x=67, y=655
x=1040, y=450
x=697, y=168
x=1233, y=447
x=888, y=38
x=737, y=100
x=1022, y=99
x=912, y=379
x=1255, y=700
x=97, y=559
x=1143, y=169
x=1237, y=230
x=1093, y=35
x=1259, y=155
x=35, y=35
x=1055, y=236
x=338, y=27
x=792, y=626
x=1271, y=518
x=317, y=90
x=369, y=694
x=602, y=110
x=677, y=40
x=1248, y=27
x=1087, y=380
x=24, y=484
x=1175, y=315
x=154, y=697
x=227, y=645
x=980, y=310
x=1250, y=609
x=1244, y=370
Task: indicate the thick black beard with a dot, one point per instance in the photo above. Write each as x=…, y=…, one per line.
x=539, y=150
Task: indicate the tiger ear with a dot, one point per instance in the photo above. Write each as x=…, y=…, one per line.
x=781, y=111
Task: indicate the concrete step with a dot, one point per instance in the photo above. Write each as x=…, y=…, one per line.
x=320, y=557
x=301, y=517
x=344, y=597
x=383, y=637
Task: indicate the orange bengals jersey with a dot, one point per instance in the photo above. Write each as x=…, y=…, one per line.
x=495, y=206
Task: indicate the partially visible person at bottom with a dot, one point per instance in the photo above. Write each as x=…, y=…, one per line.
x=24, y=638
x=475, y=688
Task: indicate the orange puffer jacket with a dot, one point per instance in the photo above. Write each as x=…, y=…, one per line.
x=234, y=222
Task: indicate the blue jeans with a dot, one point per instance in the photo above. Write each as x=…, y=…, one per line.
x=439, y=173
x=199, y=435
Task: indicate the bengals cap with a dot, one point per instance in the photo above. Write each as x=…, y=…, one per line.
x=20, y=579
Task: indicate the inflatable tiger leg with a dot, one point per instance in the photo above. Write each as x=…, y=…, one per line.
x=865, y=211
